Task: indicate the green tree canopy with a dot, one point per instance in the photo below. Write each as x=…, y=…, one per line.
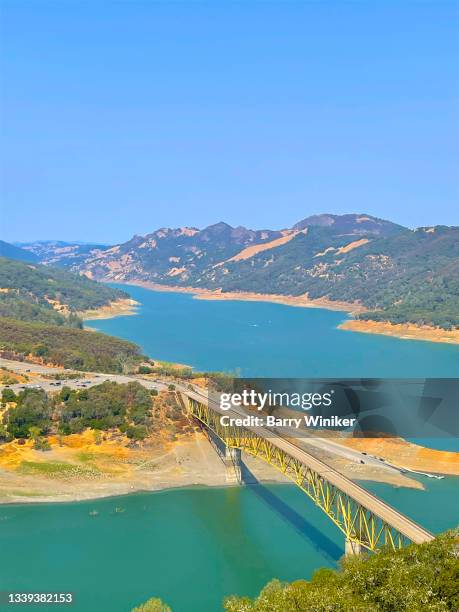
x=32, y=412
x=152, y=605
x=419, y=578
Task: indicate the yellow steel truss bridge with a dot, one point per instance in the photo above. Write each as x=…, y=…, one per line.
x=365, y=520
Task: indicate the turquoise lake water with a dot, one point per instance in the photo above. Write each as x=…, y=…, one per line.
x=191, y=547
x=263, y=339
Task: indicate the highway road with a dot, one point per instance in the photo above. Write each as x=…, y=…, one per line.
x=87, y=379
x=388, y=514
x=379, y=508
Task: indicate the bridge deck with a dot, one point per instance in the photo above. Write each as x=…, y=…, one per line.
x=384, y=511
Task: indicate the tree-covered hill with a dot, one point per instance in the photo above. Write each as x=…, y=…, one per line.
x=170, y=253
x=128, y=408
x=64, y=346
x=31, y=292
x=39, y=308
x=398, y=274
x=412, y=276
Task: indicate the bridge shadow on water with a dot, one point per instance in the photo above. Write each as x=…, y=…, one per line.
x=316, y=538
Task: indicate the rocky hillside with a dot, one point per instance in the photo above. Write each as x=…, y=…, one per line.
x=398, y=274
x=56, y=252
x=188, y=255
x=351, y=224
x=174, y=255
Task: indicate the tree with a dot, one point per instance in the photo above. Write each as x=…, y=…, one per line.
x=8, y=395
x=65, y=393
x=42, y=444
x=144, y=370
x=34, y=433
x=136, y=432
x=32, y=410
x=152, y=605
x=40, y=350
x=418, y=578
x=4, y=435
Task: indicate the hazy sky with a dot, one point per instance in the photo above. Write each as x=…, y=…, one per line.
x=122, y=117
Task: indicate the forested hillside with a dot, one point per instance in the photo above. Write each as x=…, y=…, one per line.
x=129, y=408
x=190, y=256
x=395, y=273
x=411, y=276
x=39, y=319
x=32, y=292
x=63, y=346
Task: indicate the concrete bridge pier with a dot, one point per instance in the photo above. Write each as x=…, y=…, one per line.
x=232, y=463
x=352, y=548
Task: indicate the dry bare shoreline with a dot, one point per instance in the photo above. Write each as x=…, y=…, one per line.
x=83, y=467
x=302, y=301
x=405, y=331
x=189, y=462
x=118, y=308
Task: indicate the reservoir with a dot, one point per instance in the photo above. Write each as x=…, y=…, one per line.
x=191, y=547
x=265, y=339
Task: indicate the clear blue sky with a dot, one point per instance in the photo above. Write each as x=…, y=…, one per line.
x=122, y=117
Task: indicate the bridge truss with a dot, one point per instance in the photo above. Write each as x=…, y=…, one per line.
x=361, y=526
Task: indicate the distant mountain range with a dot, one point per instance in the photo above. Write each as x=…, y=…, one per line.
x=53, y=252
x=397, y=273
x=13, y=252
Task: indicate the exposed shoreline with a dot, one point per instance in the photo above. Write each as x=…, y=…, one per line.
x=407, y=455
x=113, y=467
x=301, y=301
x=118, y=308
x=188, y=462
x=404, y=331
